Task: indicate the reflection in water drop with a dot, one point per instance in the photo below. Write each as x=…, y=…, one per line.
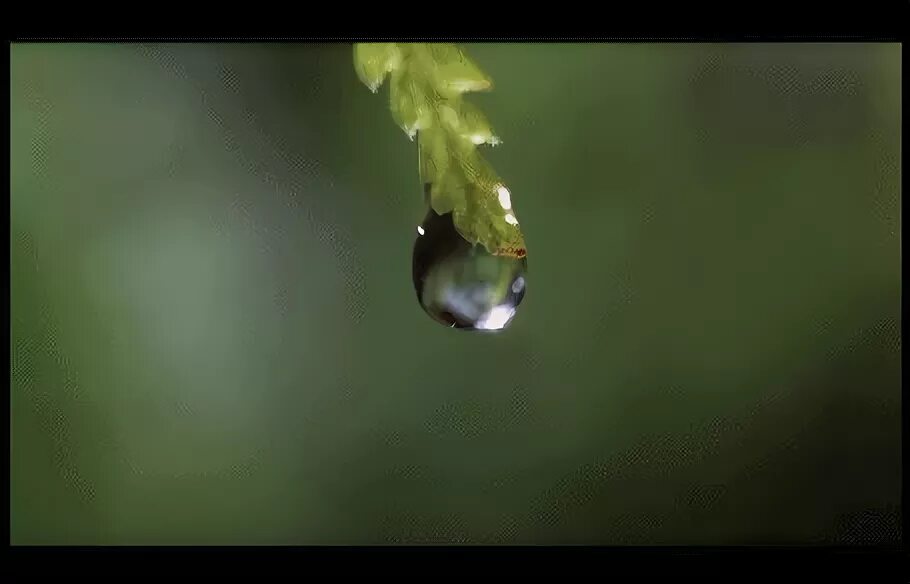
x=462, y=285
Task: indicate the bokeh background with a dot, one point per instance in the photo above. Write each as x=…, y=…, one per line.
x=215, y=339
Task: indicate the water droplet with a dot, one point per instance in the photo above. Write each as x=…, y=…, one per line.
x=462, y=285
x=505, y=198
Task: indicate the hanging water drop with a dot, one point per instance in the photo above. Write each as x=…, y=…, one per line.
x=469, y=269
x=461, y=285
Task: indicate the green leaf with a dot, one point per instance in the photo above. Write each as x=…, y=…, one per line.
x=495, y=228
x=426, y=100
x=401, y=102
x=469, y=123
x=475, y=127
x=373, y=61
x=455, y=73
x=449, y=194
x=434, y=156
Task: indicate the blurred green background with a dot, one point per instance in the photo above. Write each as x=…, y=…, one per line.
x=215, y=339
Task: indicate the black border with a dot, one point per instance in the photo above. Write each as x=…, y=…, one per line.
x=766, y=21
x=569, y=563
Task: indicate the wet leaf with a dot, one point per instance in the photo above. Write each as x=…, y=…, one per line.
x=425, y=99
x=374, y=61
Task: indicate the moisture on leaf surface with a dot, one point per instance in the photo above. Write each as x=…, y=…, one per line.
x=427, y=83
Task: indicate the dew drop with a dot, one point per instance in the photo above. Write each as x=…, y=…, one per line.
x=461, y=285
